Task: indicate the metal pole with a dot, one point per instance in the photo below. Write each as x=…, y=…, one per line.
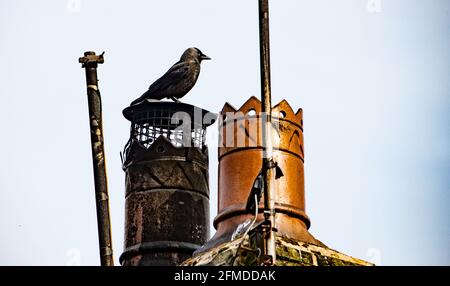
x=90, y=62
x=269, y=204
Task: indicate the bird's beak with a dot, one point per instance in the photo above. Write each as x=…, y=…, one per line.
x=205, y=57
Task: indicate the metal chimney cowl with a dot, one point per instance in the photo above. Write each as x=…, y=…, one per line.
x=167, y=183
x=240, y=163
x=240, y=156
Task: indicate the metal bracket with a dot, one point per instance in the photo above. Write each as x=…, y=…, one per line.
x=258, y=240
x=90, y=59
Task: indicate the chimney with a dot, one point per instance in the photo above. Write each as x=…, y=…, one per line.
x=240, y=237
x=167, y=183
x=240, y=153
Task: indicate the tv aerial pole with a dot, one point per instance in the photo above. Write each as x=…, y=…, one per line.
x=268, y=164
x=90, y=62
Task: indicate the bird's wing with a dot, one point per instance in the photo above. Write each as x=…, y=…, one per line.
x=157, y=90
x=176, y=73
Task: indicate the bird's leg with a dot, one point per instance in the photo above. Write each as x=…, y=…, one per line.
x=174, y=99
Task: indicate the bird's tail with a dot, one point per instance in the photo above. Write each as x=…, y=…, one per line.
x=140, y=99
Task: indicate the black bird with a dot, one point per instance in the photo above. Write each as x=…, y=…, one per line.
x=178, y=80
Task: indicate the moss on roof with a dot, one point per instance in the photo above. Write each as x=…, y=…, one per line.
x=289, y=252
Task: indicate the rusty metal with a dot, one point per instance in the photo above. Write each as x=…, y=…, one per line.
x=90, y=62
x=266, y=106
x=240, y=164
x=167, y=184
x=258, y=240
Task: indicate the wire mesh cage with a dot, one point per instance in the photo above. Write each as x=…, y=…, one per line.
x=184, y=125
x=168, y=123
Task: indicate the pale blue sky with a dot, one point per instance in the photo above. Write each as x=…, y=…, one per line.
x=373, y=83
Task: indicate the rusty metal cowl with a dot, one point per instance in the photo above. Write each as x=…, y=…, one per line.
x=167, y=204
x=166, y=180
x=240, y=160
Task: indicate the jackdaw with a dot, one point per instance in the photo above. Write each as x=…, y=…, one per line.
x=178, y=80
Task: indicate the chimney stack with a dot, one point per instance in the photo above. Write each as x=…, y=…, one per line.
x=240, y=153
x=167, y=183
x=239, y=239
